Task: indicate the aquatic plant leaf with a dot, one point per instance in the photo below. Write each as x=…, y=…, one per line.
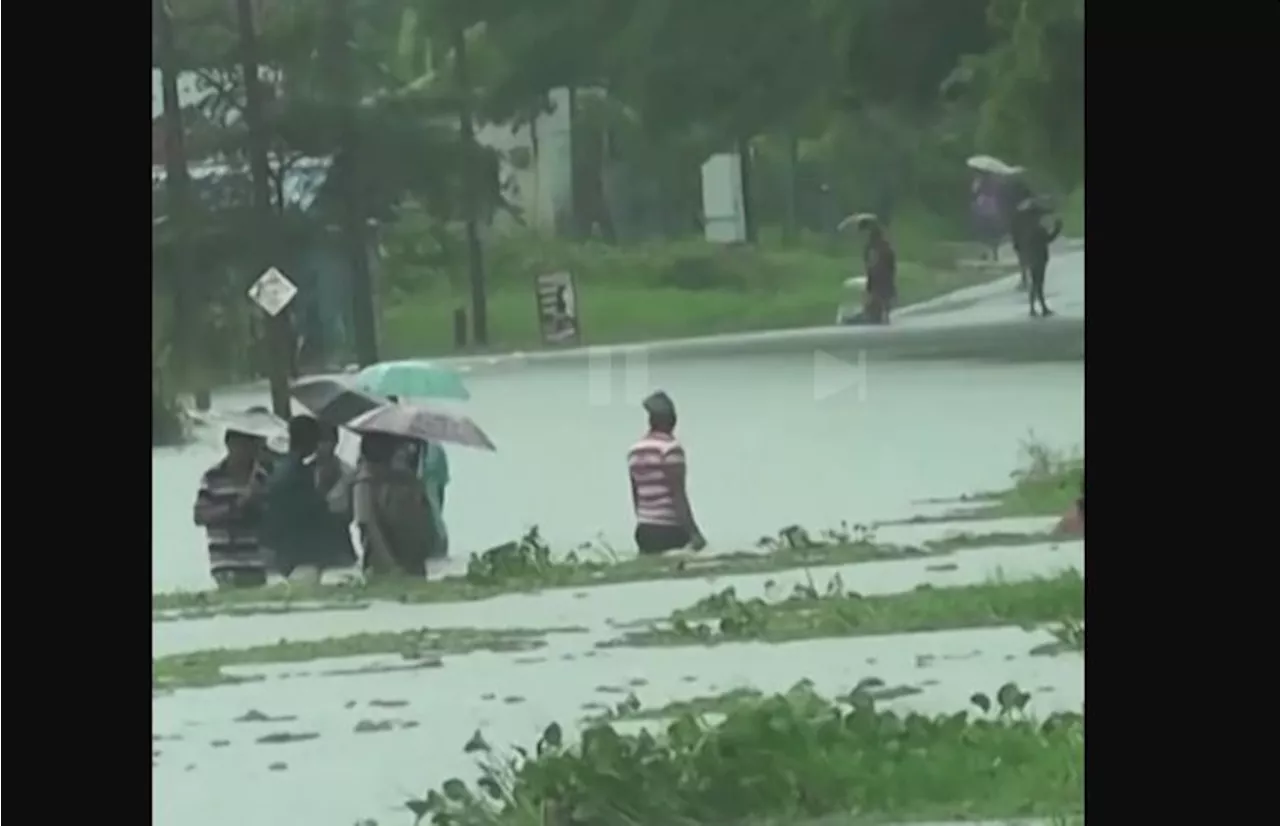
x=982, y=701
x=420, y=808
x=1011, y=698
x=491, y=787
x=455, y=790
x=476, y=743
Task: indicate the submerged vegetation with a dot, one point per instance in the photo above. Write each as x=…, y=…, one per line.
x=1046, y=483
x=809, y=612
x=783, y=759
x=205, y=668
x=528, y=565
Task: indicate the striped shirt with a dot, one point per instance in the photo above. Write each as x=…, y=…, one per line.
x=232, y=533
x=648, y=462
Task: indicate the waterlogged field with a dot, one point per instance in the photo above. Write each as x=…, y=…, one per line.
x=926, y=671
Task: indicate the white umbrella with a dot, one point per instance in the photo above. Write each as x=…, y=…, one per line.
x=857, y=219
x=986, y=163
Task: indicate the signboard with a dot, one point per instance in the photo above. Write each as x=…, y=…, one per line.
x=558, y=308
x=723, y=215
x=272, y=292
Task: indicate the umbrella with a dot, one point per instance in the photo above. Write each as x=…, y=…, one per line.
x=412, y=379
x=333, y=400
x=413, y=421
x=859, y=219
x=986, y=163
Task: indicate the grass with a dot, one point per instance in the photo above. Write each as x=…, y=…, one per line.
x=786, y=759
x=205, y=668
x=1046, y=483
x=835, y=612
x=525, y=566
x=668, y=290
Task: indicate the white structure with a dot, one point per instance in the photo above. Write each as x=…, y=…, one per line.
x=724, y=216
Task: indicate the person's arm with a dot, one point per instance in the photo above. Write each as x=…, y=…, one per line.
x=1053, y=234
x=376, y=547
x=676, y=470
x=207, y=508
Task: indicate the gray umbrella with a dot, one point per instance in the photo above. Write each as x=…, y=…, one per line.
x=333, y=400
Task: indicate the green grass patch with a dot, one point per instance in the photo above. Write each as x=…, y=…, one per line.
x=205, y=668
x=527, y=565
x=810, y=613
x=663, y=290
x=1046, y=483
x=787, y=759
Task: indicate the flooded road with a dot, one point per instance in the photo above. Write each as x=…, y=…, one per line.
x=777, y=433
x=763, y=452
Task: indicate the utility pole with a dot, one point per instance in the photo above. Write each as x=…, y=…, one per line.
x=279, y=335
x=346, y=165
x=744, y=167
x=466, y=129
x=177, y=182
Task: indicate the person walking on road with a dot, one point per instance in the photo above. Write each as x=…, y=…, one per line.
x=659, y=492
x=1034, y=240
x=881, y=263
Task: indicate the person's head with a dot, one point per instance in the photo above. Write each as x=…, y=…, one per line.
x=328, y=440
x=243, y=448
x=378, y=448
x=662, y=412
x=304, y=435
x=870, y=226
x=393, y=399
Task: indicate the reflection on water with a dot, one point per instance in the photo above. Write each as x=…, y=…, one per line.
x=344, y=775
x=763, y=452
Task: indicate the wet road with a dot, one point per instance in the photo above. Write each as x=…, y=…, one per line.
x=796, y=434
x=808, y=428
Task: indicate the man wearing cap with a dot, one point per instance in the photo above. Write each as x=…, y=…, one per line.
x=228, y=507
x=664, y=517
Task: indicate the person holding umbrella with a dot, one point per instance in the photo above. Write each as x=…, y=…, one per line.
x=394, y=520
x=1033, y=240
x=881, y=264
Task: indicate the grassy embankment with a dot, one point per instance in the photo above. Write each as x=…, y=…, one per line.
x=669, y=289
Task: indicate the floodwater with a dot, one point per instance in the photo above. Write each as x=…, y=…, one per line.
x=775, y=437
x=344, y=775
x=763, y=452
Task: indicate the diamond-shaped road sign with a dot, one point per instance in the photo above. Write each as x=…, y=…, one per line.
x=272, y=291
x=833, y=375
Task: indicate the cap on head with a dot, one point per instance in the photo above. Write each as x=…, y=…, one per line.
x=659, y=404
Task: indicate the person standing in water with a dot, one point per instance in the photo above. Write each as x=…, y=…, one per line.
x=1034, y=240
x=392, y=515
x=431, y=464
x=881, y=263
x=298, y=527
x=228, y=507
x=659, y=492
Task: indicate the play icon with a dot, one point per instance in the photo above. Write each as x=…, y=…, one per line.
x=833, y=375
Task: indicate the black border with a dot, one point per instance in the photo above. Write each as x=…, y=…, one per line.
x=1177, y=165
x=1178, y=254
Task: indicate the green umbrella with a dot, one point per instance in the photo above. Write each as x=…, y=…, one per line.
x=413, y=379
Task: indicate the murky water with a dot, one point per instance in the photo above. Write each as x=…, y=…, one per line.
x=763, y=452
x=344, y=775
x=774, y=438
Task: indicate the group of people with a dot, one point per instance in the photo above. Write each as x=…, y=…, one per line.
x=1005, y=207
x=291, y=514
